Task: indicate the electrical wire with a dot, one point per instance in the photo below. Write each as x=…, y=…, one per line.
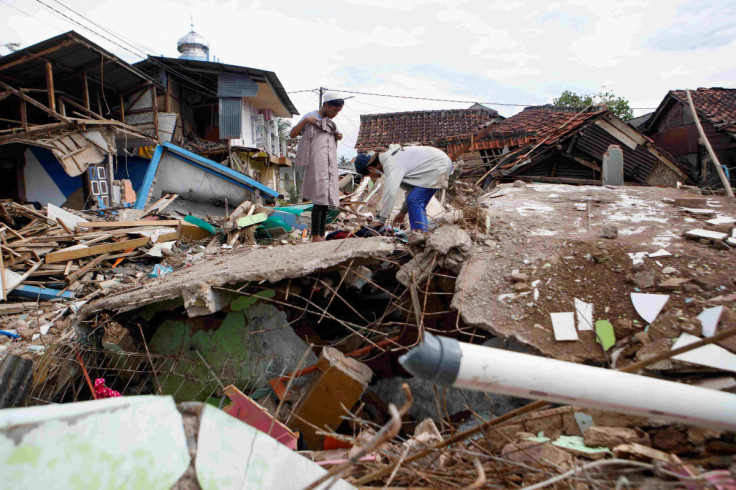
x=143, y=56
x=448, y=100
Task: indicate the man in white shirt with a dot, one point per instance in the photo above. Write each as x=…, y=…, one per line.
x=422, y=170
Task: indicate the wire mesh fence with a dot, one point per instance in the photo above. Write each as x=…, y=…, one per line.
x=64, y=374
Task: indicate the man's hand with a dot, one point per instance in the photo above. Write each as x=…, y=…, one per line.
x=338, y=136
x=382, y=229
x=311, y=119
x=399, y=219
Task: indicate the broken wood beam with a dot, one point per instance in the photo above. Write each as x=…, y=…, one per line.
x=713, y=157
x=50, y=86
x=557, y=180
x=75, y=276
x=64, y=255
x=35, y=103
x=128, y=224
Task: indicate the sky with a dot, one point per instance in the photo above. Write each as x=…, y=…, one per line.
x=516, y=52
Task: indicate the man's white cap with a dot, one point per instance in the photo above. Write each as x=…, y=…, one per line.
x=328, y=96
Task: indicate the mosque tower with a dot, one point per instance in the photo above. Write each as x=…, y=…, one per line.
x=192, y=46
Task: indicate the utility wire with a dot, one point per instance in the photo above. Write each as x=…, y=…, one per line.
x=448, y=100
x=144, y=56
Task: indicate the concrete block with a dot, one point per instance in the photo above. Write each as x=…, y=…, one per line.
x=341, y=381
x=612, y=169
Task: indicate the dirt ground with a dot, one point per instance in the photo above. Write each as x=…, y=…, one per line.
x=538, y=231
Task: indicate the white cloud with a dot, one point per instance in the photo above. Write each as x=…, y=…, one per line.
x=476, y=50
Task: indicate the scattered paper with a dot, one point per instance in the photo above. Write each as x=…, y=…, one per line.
x=648, y=306
x=709, y=318
x=563, y=325
x=637, y=257
x=45, y=328
x=584, y=312
x=660, y=253
x=604, y=334
x=707, y=355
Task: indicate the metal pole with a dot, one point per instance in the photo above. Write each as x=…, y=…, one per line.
x=321, y=93
x=716, y=162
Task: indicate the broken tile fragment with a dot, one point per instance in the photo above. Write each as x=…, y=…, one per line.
x=648, y=306
x=707, y=355
x=709, y=319
x=584, y=313
x=707, y=234
x=563, y=325
x=660, y=253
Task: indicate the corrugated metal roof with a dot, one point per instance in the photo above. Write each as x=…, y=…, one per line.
x=231, y=117
x=70, y=55
x=236, y=85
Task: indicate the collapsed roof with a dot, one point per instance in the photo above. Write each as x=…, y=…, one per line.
x=377, y=131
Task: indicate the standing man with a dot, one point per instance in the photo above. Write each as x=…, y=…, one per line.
x=317, y=152
x=421, y=170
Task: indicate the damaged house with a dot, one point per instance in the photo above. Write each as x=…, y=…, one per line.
x=549, y=144
x=672, y=127
x=82, y=129
x=227, y=113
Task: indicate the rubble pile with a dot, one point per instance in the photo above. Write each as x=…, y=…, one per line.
x=302, y=340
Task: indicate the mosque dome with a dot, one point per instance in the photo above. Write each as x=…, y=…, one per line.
x=193, y=46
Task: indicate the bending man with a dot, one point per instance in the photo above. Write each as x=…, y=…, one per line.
x=420, y=170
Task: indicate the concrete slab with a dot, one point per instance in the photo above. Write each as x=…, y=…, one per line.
x=261, y=264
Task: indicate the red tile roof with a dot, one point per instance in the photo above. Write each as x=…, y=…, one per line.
x=531, y=124
x=377, y=131
x=716, y=104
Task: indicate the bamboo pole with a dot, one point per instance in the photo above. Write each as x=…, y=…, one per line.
x=716, y=162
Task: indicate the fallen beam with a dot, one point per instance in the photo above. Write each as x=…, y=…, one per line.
x=43, y=293
x=77, y=253
x=129, y=224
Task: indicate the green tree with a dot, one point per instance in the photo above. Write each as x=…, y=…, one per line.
x=618, y=105
x=343, y=161
x=284, y=127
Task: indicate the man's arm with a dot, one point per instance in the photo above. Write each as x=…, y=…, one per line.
x=297, y=130
x=392, y=178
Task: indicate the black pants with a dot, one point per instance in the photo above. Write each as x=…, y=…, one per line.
x=319, y=219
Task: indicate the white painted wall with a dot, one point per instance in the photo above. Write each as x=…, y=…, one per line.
x=38, y=184
x=194, y=184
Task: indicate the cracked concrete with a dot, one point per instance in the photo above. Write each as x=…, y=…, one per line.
x=272, y=265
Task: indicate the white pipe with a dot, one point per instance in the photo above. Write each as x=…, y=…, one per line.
x=475, y=367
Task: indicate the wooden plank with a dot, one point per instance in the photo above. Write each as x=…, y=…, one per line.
x=24, y=277
x=128, y=224
x=64, y=255
x=582, y=162
x=557, y=180
x=50, y=86
x=35, y=103
x=616, y=133
x=32, y=56
x=75, y=276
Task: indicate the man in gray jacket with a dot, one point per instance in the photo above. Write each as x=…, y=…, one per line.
x=421, y=170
